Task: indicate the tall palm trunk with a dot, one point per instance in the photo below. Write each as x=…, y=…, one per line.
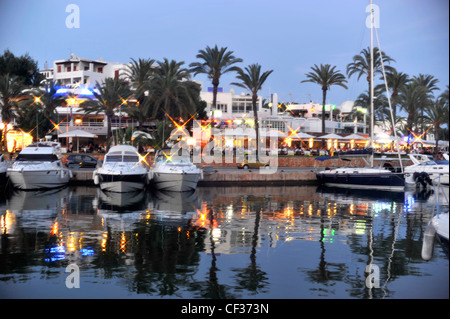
x=215, y=83
x=109, y=116
x=324, y=98
x=255, y=114
x=4, y=144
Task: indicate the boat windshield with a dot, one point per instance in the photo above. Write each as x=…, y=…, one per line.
x=36, y=158
x=437, y=162
x=120, y=158
x=173, y=159
x=181, y=160
x=131, y=158
x=113, y=158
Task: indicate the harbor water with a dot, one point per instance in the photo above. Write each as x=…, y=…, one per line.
x=296, y=242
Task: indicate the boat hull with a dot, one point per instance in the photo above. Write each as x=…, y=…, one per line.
x=386, y=181
x=3, y=178
x=43, y=179
x=177, y=182
x=122, y=183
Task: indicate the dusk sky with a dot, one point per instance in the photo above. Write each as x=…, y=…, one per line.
x=287, y=36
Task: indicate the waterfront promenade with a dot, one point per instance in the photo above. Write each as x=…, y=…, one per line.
x=290, y=171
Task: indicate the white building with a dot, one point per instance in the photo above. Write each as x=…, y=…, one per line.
x=81, y=71
x=236, y=110
x=230, y=105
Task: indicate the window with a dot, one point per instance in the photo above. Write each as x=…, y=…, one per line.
x=59, y=68
x=100, y=69
x=36, y=158
x=222, y=107
x=86, y=68
x=69, y=69
x=74, y=68
x=113, y=158
x=130, y=158
x=116, y=74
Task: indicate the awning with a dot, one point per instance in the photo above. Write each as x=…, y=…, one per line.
x=77, y=133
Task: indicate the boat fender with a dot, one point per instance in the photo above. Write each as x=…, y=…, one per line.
x=201, y=174
x=96, y=179
x=428, y=243
x=70, y=174
x=422, y=178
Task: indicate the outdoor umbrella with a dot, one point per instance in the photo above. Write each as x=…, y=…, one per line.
x=332, y=137
x=355, y=137
x=77, y=134
x=301, y=136
x=273, y=132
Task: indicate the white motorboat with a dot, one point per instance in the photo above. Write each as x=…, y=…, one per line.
x=175, y=173
x=426, y=171
x=39, y=166
x=438, y=227
x=122, y=170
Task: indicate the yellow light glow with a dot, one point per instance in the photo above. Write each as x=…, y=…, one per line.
x=78, y=121
x=7, y=221
x=288, y=141
x=18, y=140
x=123, y=243
x=55, y=229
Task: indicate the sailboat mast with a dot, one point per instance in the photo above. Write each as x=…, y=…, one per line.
x=371, y=94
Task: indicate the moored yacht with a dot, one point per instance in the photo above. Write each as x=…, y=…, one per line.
x=362, y=177
x=426, y=171
x=122, y=170
x=385, y=177
x=39, y=166
x=175, y=173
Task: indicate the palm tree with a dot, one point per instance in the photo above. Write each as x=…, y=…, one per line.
x=395, y=82
x=252, y=79
x=11, y=92
x=361, y=64
x=325, y=76
x=445, y=99
x=215, y=63
x=139, y=73
x=430, y=85
x=112, y=94
x=172, y=91
x=411, y=97
x=379, y=104
x=436, y=114
x=39, y=106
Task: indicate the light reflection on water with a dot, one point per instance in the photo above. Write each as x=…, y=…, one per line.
x=233, y=242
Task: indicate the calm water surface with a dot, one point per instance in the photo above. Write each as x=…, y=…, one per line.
x=239, y=242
